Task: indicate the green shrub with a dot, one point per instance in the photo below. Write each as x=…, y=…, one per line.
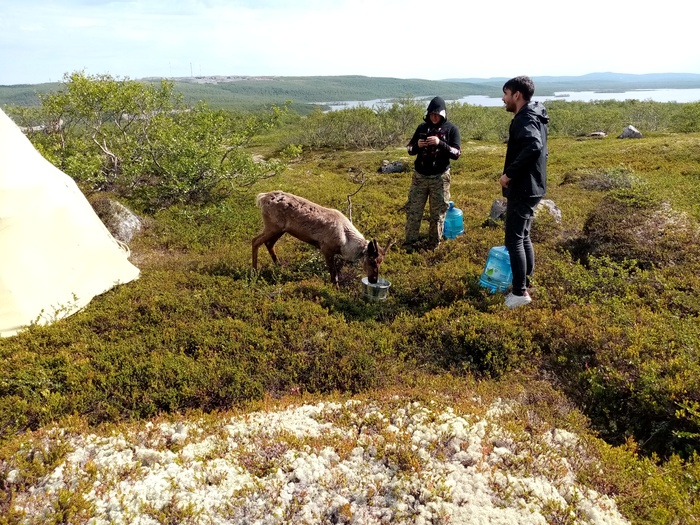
x=687, y=120
x=619, y=177
x=464, y=340
x=479, y=122
x=630, y=224
x=142, y=143
x=361, y=127
x=613, y=325
x=629, y=381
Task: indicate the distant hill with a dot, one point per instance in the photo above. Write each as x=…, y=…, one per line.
x=253, y=93
x=25, y=94
x=547, y=85
x=235, y=92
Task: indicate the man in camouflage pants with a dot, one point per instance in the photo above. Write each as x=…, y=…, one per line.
x=434, y=143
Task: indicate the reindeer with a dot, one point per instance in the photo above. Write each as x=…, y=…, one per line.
x=325, y=228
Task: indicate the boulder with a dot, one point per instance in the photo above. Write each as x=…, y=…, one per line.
x=497, y=213
x=549, y=206
x=630, y=132
x=392, y=167
x=121, y=222
x=598, y=134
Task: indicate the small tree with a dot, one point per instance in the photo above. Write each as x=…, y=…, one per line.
x=138, y=140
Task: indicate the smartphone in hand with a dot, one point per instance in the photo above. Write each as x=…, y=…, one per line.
x=422, y=136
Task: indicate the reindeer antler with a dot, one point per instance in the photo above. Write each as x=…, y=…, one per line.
x=362, y=183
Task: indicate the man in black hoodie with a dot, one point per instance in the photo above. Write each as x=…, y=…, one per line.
x=434, y=143
x=524, y=180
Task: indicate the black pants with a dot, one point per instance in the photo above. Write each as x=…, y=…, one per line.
x=519, y=214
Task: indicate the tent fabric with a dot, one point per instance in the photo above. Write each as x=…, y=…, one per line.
x=55, y=252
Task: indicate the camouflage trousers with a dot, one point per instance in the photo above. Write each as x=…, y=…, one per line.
x=436, y=191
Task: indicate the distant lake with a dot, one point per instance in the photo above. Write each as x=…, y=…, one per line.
x=656, y=95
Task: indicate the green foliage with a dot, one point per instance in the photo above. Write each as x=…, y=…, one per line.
x=646, y=492
x=361, y=127
x=140, y=142
x=464, y=340
x=385, y=126
x=630, y=223
x=623, y=345
x=687, y=119
x=573, y=118
x=618, y=177
x=689, y=410
x=479, y=122
x=613, y=323
x=380, y=127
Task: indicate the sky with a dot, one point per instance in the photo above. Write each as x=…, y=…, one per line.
x=43, y=40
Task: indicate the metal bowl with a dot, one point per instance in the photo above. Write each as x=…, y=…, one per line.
x=377, y=291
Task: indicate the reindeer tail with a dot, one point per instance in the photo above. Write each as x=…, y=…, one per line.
x=259, y=198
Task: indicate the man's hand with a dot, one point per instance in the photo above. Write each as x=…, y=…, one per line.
x=433, y=140
x=504, y=180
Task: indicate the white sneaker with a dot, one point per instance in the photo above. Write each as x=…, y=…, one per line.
x=513, y=301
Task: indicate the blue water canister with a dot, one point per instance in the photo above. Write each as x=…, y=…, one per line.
x=497, y=274
x=454, y=224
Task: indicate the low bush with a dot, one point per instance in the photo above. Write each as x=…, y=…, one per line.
x=629, y=224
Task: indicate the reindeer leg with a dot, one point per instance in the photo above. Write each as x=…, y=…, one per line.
x=269, y=240
x=256, y=245
x=339, y=262
x=332, y=268
x=270, y=245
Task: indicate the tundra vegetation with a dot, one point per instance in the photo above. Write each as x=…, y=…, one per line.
x=609, y=348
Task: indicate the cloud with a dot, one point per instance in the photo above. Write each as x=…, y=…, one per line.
x=395, y=38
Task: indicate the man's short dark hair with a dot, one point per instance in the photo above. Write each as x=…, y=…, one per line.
x=523, y=84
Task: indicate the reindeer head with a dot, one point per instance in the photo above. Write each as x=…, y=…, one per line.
x=374, y=256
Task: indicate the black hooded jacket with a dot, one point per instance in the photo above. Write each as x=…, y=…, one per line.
x=435, y=160
x=526, y=156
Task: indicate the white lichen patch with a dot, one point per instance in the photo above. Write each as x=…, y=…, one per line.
x=355, y=462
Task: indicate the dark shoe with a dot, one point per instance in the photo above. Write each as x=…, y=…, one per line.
x=432, y=244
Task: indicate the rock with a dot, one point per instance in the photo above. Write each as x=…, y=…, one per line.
x=498, y=209
x=630, y=132
x=598, y=134
x=497, y=213
x=392, y=167
x=121, y=222
x=551, y=208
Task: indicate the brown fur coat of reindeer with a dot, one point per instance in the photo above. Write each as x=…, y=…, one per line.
x=325, y=228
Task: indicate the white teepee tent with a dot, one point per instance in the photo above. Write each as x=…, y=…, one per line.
x=55, y=253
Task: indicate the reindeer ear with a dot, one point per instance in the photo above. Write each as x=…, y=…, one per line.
x=372, y=248
x=389, y=245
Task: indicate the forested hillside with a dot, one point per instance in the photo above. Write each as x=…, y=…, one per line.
x=304, y=93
